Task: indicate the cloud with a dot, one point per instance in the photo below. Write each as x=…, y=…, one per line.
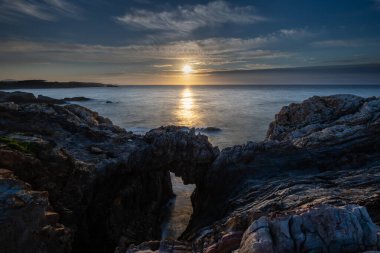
x=162, y=65
x=47, y=10
x=377, y=4
x=342, y=43
x=295, y=33
x=213, y=53
x=185, y=19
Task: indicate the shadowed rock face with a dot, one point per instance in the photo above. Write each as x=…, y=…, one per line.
x=109, y=186
x=26, y=223
x=182, y=152
x=323, y=151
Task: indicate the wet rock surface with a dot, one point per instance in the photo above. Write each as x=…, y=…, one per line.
x=316, y=174
x=108, y=186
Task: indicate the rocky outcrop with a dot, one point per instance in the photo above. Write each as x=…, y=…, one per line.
x=109, y=187
x=182, y=151
x=160, y=246
x=27, y=221
x=323, y=151
x=319, y=229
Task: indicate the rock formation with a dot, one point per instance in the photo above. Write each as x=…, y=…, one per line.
x=27, y=223
x=316, y=174
x=319, y=229
x=109, y=186
x=323, y=151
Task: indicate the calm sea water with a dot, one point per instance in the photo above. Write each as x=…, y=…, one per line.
x=242, y=112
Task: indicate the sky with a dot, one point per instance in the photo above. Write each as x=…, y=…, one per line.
x=223, y=42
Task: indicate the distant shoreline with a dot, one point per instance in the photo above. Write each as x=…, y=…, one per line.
x=42, y=84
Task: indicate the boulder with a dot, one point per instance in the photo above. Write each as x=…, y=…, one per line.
x=324, y=229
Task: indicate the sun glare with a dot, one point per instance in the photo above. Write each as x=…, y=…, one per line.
x=187, y=69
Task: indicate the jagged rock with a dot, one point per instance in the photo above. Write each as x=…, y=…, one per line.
x=105, y=183
x=186, y=154
x=169, y=246
x=322, y=151
x=25, y=225
x=320, y=229
x=319, y=119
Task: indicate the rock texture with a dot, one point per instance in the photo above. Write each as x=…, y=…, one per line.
x=109, y=186
x=27, y=222
x=323, y=151
x=320, y=229
x=306, y=188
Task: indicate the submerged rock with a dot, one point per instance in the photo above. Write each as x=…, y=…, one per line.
x=49, y=100
x=77, y=99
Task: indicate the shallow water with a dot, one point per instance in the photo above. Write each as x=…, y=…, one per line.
x=242, y=112
x=181, y=209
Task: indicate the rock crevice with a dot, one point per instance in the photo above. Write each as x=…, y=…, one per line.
x=306, y=188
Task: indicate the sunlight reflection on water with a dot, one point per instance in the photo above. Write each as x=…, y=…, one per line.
x=187, y=113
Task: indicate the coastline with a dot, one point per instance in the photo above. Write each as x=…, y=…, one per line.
x=314, y=157
x=42, y=84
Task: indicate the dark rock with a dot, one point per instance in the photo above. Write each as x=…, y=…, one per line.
x=106, y=184
x=157, y=246
x=96, y=150
x=209, y=129
x=322, y=151
x=26, y=97
x=186, y=154
x=109, y=102
x=17, y=97
x=25, y=226
x=49, y=100
x=77, y=99
x=110, y=187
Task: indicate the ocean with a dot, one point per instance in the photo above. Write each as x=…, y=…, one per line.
x=243, y=114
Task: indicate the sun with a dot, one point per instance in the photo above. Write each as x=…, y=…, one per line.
x=187, y=69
